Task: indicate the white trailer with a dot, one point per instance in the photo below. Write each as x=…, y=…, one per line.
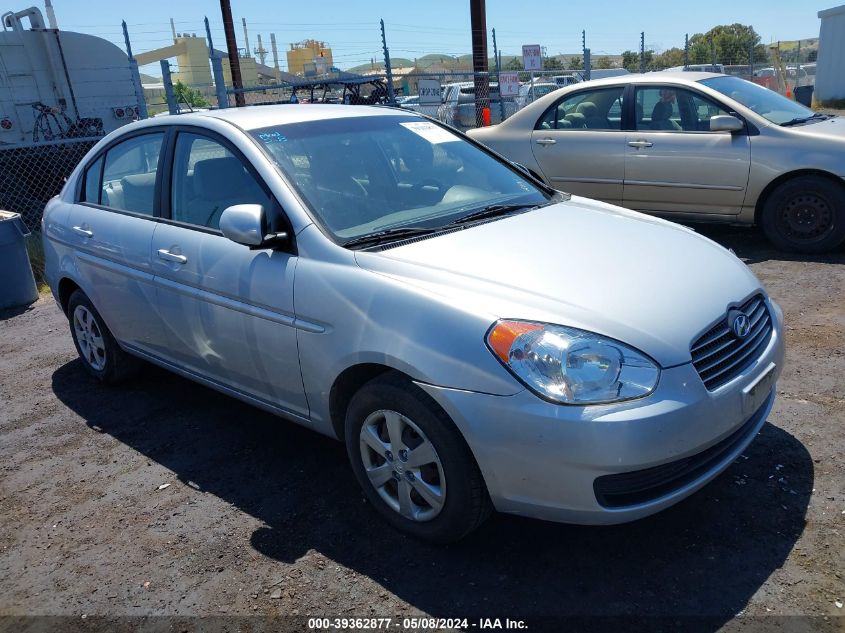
x=57, y=85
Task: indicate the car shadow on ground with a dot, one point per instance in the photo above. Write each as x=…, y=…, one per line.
x=752, y=247
x=704, y=557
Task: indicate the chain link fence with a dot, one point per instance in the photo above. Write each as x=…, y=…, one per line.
x=30, y=176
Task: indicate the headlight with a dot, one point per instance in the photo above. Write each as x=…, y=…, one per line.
x=572, y=366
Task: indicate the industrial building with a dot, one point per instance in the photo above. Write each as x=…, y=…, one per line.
x=830, y=70
x=309, y=57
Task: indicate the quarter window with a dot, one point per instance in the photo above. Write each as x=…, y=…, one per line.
x=91, y=193
x=129, y=174
x=207, y=178
x=586, y=110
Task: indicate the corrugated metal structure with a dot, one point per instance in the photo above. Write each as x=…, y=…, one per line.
x=830, y=67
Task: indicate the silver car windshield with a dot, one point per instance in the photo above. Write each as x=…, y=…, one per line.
x=370, y=174
x=765, y=102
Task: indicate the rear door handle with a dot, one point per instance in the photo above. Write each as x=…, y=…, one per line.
x=83, y=232
x=640, y=143
x=167, y=256
x=545, y=141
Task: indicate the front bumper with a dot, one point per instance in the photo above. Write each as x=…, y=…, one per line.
x=543, y=460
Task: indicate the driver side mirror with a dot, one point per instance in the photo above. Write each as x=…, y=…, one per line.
x=247, y=224
x=726, y=123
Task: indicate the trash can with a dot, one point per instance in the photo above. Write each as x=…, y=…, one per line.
x=17, y=287
x=804, y=95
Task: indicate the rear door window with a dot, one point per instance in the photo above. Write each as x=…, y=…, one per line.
x=130, y=172
x=586, y=110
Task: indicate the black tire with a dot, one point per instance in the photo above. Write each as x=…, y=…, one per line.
x=112, y=365
x=466, y=503
x=805, y=215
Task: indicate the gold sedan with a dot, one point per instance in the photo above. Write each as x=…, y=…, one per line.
x=691, y=146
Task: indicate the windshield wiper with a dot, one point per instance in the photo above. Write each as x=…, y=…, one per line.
x=492, y=211
x=389, y=235
x=818, y=116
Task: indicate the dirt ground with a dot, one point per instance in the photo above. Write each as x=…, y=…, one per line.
x=163, y=498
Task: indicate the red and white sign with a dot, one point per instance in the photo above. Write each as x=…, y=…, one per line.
x=532, y=57
x=508, y=84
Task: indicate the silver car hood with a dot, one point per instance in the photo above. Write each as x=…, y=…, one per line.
x=647, y=282
x=830, y=128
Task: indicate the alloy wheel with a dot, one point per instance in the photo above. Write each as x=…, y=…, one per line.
x=402, y=465
x=89, y=337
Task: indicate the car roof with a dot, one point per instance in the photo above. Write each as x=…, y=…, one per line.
x=261, y=116
x=680, y=76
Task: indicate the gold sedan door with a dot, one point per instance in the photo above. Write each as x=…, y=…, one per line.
x=579, y=144
x=676, y=164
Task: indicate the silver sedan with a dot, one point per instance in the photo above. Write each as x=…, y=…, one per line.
x=689, y=146
x=478, y=340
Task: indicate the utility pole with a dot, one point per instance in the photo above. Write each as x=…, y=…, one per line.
x=478, y=22
x=586, y=60
x=642, y=52
x=391, y=97
x=232, y=46
x=136, y=76
x=686, y=51
x=275, y=57
x=261, y=51
x=246, y=36
x=496, y=54
x=713, y=50
x=751, y=58
x=217, y=70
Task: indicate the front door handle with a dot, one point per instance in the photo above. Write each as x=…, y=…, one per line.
x=640, y=143
x=83, y=232
x=167, y=256
x=545, y=141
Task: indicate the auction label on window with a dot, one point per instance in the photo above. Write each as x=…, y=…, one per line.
x=429, y=131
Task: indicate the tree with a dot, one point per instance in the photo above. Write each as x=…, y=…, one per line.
x=514, y=63
x=188, y=96
x=576, y=63
x=730, y=42
x=668, y=59
x=604, y=62
x=552, y=63
x=631, y=61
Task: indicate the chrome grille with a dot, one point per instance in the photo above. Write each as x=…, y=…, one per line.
x=718, y=355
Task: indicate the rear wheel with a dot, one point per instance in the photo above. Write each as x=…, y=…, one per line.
x=805, y=215
x=101, y=356
x=412, y=463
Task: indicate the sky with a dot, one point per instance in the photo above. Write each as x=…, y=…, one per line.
x=418, y=28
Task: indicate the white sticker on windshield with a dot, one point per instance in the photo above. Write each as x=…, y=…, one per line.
x=430, y=132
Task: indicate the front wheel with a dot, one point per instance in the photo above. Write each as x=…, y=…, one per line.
x=805, y=215
x=412, y=463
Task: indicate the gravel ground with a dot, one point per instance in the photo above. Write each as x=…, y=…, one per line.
x=163, y=498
